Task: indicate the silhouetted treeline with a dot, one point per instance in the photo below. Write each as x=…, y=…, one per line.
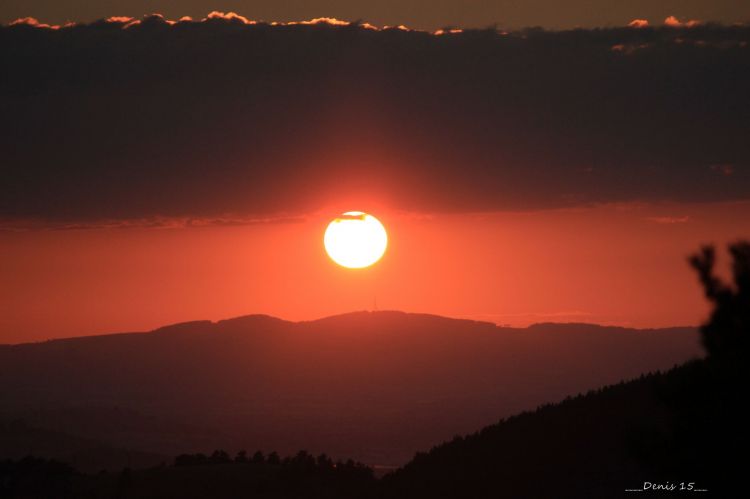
x=222, y=457
x=194, y=476
x=302, y=460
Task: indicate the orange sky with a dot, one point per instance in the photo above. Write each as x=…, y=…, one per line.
x=614, y=264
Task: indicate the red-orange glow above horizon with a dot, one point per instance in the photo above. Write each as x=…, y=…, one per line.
x=613, y=264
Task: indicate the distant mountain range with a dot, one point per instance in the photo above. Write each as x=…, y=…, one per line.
x=373, y=386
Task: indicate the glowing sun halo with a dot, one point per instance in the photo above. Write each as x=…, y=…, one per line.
x=355, y=240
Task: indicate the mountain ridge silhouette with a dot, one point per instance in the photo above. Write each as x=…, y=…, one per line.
x=373, y=386
x=222, y=325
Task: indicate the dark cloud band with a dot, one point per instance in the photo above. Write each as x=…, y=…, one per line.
x=204, y=119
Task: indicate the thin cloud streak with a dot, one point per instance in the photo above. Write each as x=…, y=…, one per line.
x=670, y=220
x=20, y=225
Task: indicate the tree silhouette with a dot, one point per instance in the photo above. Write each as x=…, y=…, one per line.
x=707, y=398
x=725, y=335
x=241, y=457
x=273, y=458
x=220, y=457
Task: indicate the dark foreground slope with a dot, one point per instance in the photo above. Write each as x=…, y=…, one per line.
x=670, y=428
x=376, y=387
x=664, y=428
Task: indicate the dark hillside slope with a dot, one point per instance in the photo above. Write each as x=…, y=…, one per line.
x=665, y=428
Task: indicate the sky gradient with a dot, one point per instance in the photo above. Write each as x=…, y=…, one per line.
x=621, y=265
x=155, y=173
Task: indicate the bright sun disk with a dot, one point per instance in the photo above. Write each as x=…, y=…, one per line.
x=355, y=240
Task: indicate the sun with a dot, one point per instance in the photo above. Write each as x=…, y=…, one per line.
x=355, y=240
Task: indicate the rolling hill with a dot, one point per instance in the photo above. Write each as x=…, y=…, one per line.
x=373, y=386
